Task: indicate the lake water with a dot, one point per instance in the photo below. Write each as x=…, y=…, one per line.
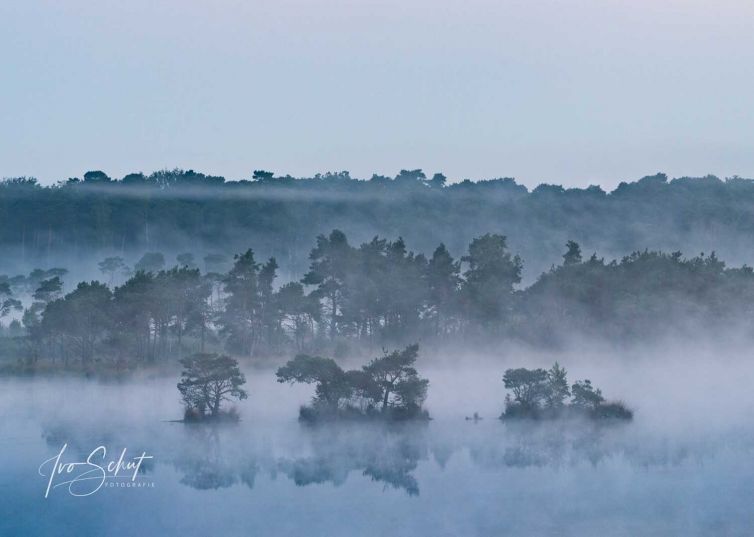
x=684, y=466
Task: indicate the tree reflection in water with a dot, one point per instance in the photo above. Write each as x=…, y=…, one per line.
x=204, y=464
x=386, y=453
x=219, y=456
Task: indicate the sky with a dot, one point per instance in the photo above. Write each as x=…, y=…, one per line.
x=572, y=92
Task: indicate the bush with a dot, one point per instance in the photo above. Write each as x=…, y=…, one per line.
x=194, y=415
x=307, y=414
x=412, y=412
x=514, y=410
x=614, y=410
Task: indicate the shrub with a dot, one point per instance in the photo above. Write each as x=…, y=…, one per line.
x=613, y=410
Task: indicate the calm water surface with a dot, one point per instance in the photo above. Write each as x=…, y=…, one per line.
x=268, y=475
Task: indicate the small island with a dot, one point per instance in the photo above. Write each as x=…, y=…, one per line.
x=539, y=394
x=387, y=388
x=207, y=380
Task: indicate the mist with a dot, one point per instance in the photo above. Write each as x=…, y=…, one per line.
x=380, y=269
x=175, y=211
x=270, y=474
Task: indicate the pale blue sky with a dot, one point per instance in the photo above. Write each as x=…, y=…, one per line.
x=574, y=92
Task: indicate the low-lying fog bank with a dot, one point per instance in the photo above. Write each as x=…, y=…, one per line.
x=682, y=466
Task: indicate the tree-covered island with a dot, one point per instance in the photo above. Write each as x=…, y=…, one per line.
x=387, y=388
x=539, y=394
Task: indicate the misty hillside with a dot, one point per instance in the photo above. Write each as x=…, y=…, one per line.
x=178, y=211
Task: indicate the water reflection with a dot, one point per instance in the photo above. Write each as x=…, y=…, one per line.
x=387, y=454
x=212, y=457
x=268, y=475
x=80, y=442
x=204, y=465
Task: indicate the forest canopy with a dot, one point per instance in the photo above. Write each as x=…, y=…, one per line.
x=173, y=211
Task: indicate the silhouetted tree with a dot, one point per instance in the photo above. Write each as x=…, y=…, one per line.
x=48, y=290
x=585, y=395
x=556, y=390
x=327, y=376
x=207, y=380
x=133, y=322
x=7, y=302
x=240, y=320
x=299, y=312
x=82, y=317
x=270, y=316
x=529, y=386
x=330, y=264
x=573, y=255
x=438, y=180
x=443, y=282
x=410, y=177
x=401, y=386
x=490, y=278
x=96, y=177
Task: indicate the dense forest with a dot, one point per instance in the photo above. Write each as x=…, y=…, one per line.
x=78, y=221
x=355, y=299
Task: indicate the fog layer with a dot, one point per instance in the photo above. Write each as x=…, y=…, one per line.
x=683, y=466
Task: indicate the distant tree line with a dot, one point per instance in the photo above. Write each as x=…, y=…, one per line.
x=173, y=211
x=369, y=296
